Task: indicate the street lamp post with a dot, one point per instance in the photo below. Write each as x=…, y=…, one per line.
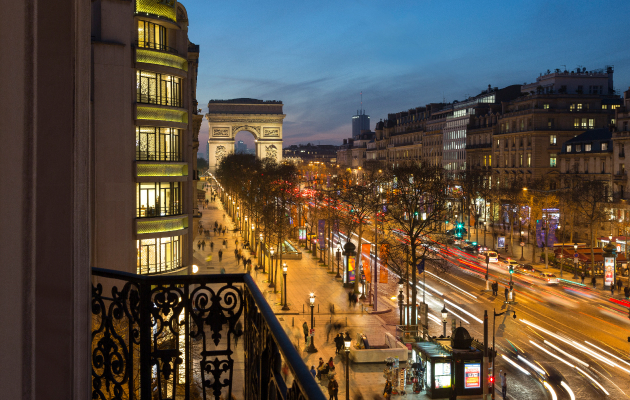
x=253, y=237
x=261, y=260
x=271, y=282
x=575, y=261
x=346, y=344
x=401, y=298
x=522, y=247
x=444, y=317
x=338, y=257
x=494, y=352
x=311, y=347
x=284, y=273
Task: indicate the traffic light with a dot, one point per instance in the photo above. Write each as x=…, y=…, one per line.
x=447, y=221
x=511, y=269
x=490, y=380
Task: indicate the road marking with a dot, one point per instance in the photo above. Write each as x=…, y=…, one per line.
x=464, y=300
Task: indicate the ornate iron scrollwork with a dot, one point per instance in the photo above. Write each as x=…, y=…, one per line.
x=172, y=338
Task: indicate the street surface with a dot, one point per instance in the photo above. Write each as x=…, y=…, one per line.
x=568, y=331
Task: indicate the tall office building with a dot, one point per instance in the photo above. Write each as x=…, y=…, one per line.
x=240, y=147
x=360, y=122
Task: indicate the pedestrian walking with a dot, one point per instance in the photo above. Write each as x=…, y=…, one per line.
x=198, y=244
x=313, y=371
x=203, y=245
x=222, y=270
x=582, y=276
x=387, y=392
x=215, y=230
x=236, y=243
x=224, y=217
x=333, y=388
x=612, y=289
x=220, y=255
x=507, y=291
x=594, y=281
x=619, y=284
x=305, y=329
x=504, y=385
x=238, y=259
x=211, y=246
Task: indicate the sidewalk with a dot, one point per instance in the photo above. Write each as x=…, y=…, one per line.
x=306, y=276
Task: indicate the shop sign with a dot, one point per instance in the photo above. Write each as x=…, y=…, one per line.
x=472, y=376
x=501, y=242
x=442, y=375
x=609, y=268
x=302, y=233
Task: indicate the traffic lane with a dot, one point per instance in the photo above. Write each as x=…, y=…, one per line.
x=527, y=387
x=589, y=330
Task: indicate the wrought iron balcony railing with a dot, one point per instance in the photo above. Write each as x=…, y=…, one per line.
x=175, y=337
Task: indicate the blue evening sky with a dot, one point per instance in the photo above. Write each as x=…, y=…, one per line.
x=317, y=56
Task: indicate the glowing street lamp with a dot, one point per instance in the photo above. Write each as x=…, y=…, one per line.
x=444, y=317
x=284, y=273
x=311, y=347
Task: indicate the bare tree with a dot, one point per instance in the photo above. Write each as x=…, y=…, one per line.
x=415, y=208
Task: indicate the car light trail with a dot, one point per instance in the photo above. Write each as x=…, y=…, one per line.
x=449, y=283
x=599, y=356
x=455, y=315
x=568, y=389
x=556, y=348
x=532, y=365
x=552, y=355
x=435, y=319
x=553, y=392
x=523, y=370
x=566, y=340
x=594, y=381
x=604, y=351
x=464, y=311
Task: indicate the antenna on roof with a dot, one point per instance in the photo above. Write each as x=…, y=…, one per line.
x=362, y=102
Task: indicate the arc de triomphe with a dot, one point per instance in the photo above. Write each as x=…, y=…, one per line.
x=226, y=118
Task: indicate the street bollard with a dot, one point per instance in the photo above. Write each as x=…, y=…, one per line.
x=292, y=322
x=318, y=308
x=302, y=308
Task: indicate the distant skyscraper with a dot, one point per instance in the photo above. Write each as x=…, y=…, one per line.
x=240, y=147
x=360, y=121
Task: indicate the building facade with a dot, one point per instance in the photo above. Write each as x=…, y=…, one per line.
x=145, y=131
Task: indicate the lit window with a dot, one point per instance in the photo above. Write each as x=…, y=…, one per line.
x=604, y=146
x=552, y=139
x=614, y=106
x=572, y=107
x=584, y=126
x=490, y=161
x=604, y=106
x=568, y=148
x=591, y=123
x=587, y=147
x=529, y=160
x=576, y=123
x=552, y=160
x=521, y=161
x=546, y=106
x=578, y=148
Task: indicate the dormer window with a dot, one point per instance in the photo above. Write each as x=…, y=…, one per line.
x=587, y=147
x=568, y=148
x=578, y=148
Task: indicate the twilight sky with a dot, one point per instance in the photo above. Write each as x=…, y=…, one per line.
x=317, y=56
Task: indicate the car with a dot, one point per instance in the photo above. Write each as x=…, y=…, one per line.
x=470, y=249
x=548, y=277
x=527, y=268
x=492, y=255
x=510, y=263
